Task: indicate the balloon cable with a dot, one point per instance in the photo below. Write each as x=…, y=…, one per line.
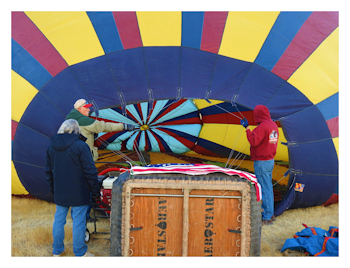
x=139, y=153
x=234, y=145
x=238, y=156
x=105, y=143
x=278, y=181
x=230, y=112
x=117, y=152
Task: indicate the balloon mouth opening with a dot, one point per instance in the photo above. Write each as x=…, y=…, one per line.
x=144, y=127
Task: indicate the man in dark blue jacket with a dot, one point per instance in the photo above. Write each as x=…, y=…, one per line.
x=72, y=177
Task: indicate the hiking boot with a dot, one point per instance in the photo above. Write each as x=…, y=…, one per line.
x=267, y=222
x=88, y=254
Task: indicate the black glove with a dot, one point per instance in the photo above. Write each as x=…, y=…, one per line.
x=129, y=127
x=96, y=196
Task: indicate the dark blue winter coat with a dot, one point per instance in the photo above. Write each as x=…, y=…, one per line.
x=70, y=170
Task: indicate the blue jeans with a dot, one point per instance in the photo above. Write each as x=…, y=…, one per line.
x=79, y=228
x=263, y=172
x=87, y=213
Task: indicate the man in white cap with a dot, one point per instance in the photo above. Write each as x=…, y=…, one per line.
x=89, y=126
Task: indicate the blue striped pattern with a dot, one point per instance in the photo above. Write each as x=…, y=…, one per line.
x=192, y=24
x=329, y=107
x=106, y=31
x=282, y=33
x=32, y=70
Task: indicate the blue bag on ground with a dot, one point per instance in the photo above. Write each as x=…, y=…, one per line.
x=315, y=241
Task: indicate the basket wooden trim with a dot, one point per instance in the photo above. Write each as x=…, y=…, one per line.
x=187, y=186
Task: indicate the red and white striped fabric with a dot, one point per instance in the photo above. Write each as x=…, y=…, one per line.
x=196, y=169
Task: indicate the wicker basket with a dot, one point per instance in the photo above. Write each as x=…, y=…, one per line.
x=183, y=215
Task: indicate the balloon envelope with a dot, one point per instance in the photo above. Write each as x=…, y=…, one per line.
x=207, y=66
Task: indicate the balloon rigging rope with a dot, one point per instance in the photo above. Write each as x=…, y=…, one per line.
x=245, y=147
x=230, y=112
x=143, y=161
x=278, y=181
x=117, y=152
x=240, y=154
x=234, y=145
x=139, y=153
x=239, y=112
x=124, y=156
x=237, y=157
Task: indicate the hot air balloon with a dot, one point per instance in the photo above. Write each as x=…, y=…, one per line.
x=185, y=79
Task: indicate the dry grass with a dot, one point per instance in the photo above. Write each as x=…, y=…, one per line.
x=32, y=221
x=290, y=222
x=31, y=235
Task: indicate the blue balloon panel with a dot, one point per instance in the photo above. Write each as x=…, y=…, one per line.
x=316, y=190
x=140, y=77
x=33, y=179
x=311, y=125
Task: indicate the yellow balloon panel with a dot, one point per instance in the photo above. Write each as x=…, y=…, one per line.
x=201, y=104
x=336, y=145
x=160, y=28
x=104, y=156
x=234, y=136
x=226, y=135
x=17, y=187
x=318, y=77
x=245, y=33
x=22, y=93
x=71, y=33
x=213, y=132
x=282, y=150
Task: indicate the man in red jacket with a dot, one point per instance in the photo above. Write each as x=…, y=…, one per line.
x=263, y=144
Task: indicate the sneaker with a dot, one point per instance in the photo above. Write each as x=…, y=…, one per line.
x=88, y=254
x=267, y=222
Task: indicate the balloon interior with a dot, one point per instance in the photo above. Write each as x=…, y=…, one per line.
x=184, y=79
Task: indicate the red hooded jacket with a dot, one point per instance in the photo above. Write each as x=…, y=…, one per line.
x=264, y=138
